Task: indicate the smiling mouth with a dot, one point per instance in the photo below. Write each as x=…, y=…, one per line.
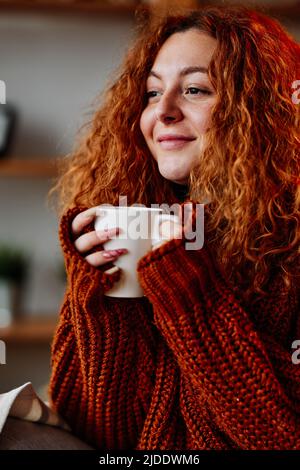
x=175, y=143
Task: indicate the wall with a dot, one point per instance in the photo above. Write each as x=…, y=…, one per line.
x=53, y=67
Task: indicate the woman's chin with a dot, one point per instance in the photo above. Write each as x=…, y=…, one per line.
x=176, y=176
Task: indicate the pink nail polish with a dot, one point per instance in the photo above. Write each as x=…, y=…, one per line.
x=109, y=255
x=112, y=231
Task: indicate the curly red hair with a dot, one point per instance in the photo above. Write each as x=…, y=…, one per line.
x=249, y=169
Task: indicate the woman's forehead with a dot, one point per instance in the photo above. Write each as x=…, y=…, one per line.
x=190, y=51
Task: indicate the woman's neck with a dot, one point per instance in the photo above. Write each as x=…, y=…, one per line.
x=181, y=191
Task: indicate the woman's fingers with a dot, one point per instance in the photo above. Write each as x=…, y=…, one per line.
x=188, y=219
x=102, y=257
x=89, y=240
x=170, y=229
x=112, y=270
x=83, y=219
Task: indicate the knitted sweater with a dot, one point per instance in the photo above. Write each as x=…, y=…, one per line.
x=188, y=366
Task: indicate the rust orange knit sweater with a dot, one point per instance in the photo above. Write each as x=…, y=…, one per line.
x=185, y=367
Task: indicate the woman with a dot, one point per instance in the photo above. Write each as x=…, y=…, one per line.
x=201, y=111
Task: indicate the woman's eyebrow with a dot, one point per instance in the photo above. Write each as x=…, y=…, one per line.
x=184, y=71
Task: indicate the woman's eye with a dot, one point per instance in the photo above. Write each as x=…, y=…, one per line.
x=152, y=94
x=197, y=91
x=188, y=91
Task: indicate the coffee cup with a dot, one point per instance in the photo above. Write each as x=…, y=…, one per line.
x=139, y=232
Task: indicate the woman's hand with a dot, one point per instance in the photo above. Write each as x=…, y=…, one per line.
x=170, y=229
x=87, y=241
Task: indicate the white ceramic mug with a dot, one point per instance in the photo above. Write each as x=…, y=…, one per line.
x=139, y=232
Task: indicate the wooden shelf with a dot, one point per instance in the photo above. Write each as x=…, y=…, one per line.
x=30, y=330
x=16, y=167
x=69, y=6
x=101, y=7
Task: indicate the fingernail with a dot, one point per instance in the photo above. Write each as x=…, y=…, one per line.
x=108, y=233
x=111, y=231
x=121, y=251
x=110, y=254
x=112, y=270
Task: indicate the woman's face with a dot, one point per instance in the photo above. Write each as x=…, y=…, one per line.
x=179, y=103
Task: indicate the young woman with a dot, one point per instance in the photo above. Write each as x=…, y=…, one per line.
x=202, y=111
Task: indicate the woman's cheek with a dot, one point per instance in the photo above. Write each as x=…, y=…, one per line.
x=144, y=123
x=204, y=122
x=147, y=123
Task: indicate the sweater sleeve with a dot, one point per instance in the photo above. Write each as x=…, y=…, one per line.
x=248, y=378
x=102, y=356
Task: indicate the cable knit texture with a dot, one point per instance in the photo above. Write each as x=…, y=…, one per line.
x=188, y=366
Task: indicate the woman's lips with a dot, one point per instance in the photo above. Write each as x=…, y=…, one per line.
x=170, y=142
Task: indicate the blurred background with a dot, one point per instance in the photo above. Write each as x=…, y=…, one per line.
x=56, y=56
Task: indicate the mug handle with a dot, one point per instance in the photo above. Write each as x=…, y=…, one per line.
x=158, y=219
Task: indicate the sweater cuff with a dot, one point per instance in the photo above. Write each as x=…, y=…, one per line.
x=171, y=274
x=75, y=263
x=173, y=270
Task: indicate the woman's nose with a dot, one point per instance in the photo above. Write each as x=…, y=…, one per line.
x=167, y=109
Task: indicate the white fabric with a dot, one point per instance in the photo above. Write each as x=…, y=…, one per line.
x=23, y=402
